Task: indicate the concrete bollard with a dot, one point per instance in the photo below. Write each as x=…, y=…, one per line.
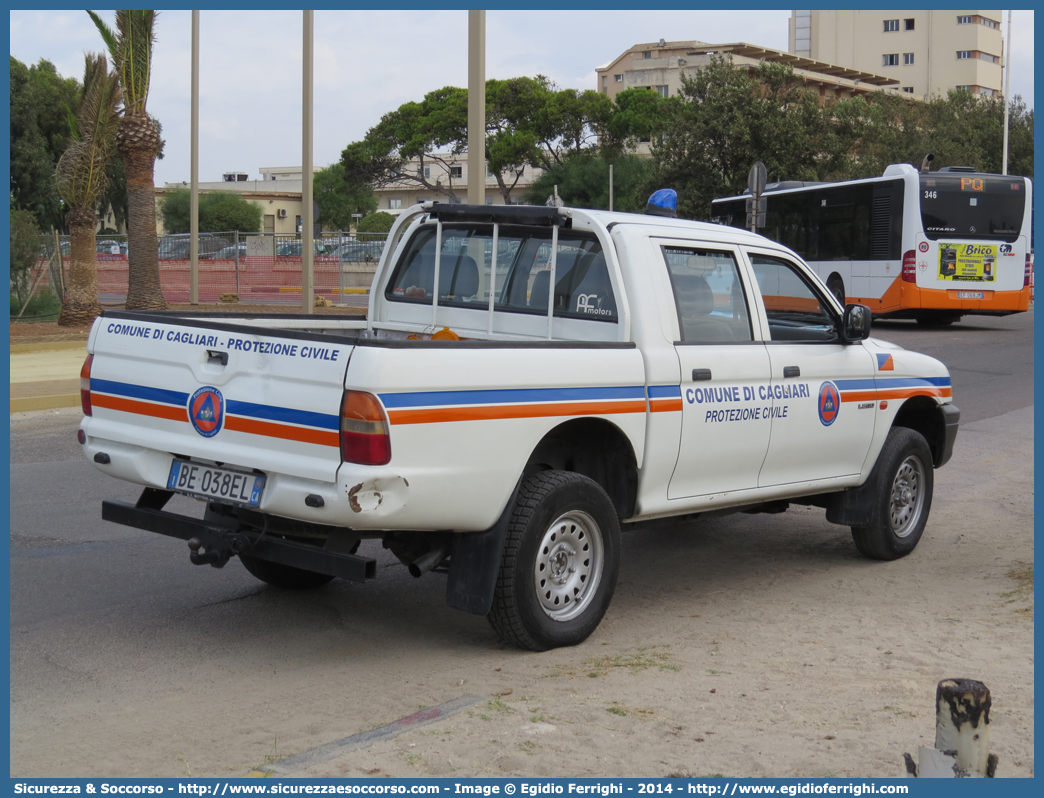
x=962, y=734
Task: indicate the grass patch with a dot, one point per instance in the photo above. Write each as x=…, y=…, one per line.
x=43, y=305
x=640, y=660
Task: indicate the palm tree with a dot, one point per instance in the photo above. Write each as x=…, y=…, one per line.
x=138, y=142
x=81, y=180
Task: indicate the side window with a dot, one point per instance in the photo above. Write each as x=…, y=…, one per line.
x=708, y=292
x=795, y=310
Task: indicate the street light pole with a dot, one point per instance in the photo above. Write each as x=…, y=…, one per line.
x=194, y=169
x=307, y=217
x=1007, y=89
x=476, y=107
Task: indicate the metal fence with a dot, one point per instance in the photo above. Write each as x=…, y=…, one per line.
x=262, y=268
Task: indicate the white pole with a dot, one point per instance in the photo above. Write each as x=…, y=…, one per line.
x=307, y=286
x=610, y=187
x=194, y=169
x=1007, y=90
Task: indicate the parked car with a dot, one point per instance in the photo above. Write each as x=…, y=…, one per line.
x=229, y=252
x=176, y=247
x=360, y=251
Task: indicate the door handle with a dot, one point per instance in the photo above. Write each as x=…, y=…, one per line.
x=215, y=357
x=791, y=371
x=699, y=375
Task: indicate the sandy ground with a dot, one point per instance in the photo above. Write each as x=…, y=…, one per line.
x=745, y=646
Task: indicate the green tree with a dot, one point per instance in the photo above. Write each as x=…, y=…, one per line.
x=130, y=47
x=728, y=118
x=529, y=123
x=583, y=182
x=338, y=199
x=41, y=101
x=219, y=212
x=81, y=179
x=379, y=223
x=25, y=249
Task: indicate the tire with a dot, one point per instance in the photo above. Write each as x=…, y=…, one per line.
x=903, y=482
x=283, y=576
x=837, y=288
x=560, y=562
x=276, y=574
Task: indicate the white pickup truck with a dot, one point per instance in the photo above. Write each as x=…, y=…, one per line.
x=482, y=423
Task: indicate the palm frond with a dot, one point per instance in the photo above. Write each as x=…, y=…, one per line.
x=80, y=175
x=136, y=36
x=109, y=37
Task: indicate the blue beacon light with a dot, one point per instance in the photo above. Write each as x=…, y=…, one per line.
x=663, y=203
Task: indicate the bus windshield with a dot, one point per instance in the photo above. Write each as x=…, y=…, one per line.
x=957, y=205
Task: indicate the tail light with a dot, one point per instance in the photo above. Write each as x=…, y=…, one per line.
x=1028, y=274
x=910, y=267
x=85, y=385
x=364, y=430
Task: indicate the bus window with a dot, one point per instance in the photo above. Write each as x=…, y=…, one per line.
x=976, y=206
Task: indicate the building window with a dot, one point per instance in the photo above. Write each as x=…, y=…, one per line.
x=961, y=54
x=984, y=92
x=989, y=23
x=963, y=88
x=605, y=84
x=964, y=20
x=663, y=90
x=427, y=171
x=909, y=24
x=394, y=203
x=990, y=58
x=456, y=171
x=891, y=25
x=618, y=78
x=489, y=200
x=908, y=89
x=908, y=59
x=647, y=54
x=890, y=59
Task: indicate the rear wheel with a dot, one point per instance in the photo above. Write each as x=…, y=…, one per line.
x=837, y=288
x=560, y=562
x=903, y=482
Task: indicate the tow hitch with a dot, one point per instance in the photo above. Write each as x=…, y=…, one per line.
x=214, y=545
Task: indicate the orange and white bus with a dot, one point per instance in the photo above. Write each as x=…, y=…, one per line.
x=932, y=246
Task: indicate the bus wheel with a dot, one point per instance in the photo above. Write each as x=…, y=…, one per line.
x=837, y=288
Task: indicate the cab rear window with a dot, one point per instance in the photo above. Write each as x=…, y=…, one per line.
x=522, y=279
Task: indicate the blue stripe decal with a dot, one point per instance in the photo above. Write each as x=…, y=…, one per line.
x=139, y=392
x=884, y=383
x=512, y=396
x=285, y=415
x=664, y=391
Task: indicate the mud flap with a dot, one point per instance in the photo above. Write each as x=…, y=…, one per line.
x=476, y=562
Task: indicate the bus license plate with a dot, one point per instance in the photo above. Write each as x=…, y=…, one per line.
x=212, y=482
x=970, y=295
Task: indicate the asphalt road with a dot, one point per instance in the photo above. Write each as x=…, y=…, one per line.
x=98, y=611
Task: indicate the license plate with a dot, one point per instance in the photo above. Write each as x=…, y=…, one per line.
x=970, y=295
x=213, y=482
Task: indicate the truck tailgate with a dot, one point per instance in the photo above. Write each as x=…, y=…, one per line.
x=266, y=400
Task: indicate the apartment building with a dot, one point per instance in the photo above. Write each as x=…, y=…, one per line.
x=926, y=52
x=660, y=66
x=450, y=173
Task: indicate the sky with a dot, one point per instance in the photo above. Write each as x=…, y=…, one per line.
x=367, y=63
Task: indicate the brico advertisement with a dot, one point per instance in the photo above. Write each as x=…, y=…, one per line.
x=968, y=262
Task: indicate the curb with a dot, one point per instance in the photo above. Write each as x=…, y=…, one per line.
x=48, y=346
x=29, y=403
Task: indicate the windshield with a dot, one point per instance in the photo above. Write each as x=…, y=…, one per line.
x=968, y=205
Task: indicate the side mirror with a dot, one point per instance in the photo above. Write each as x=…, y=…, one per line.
x=856, y=323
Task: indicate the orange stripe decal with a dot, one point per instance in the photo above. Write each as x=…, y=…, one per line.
x=268, y=429
x=896, y=393
x=488, y=413
x=140, y=408
x=665, y=405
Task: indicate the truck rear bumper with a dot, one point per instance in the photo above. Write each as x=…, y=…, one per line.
x=214, y=545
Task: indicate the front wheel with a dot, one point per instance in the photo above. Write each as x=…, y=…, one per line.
x=902, y=497
x=560, y=562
